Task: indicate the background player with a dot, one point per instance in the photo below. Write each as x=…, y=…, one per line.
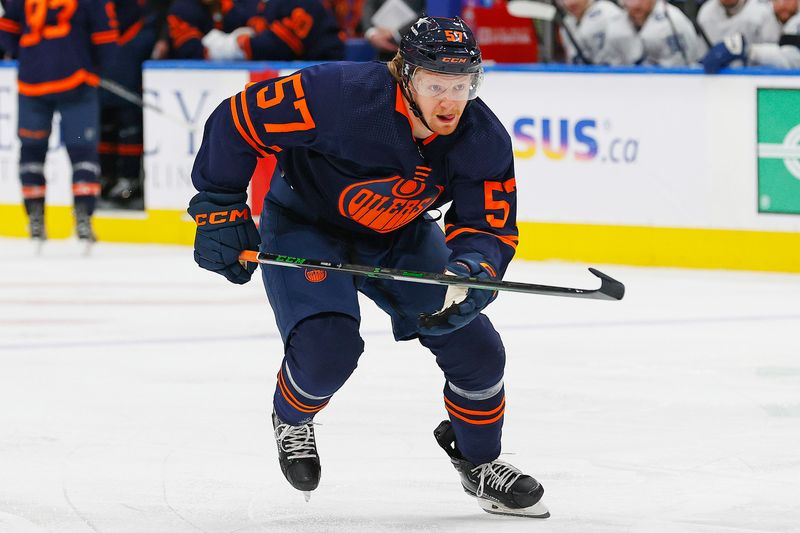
x=364, y=151
x=122, y=124
x=250, y=29
x=653, y=33
x=60, y=47
x=751, y=18
x=783, y=51
x=588, y=21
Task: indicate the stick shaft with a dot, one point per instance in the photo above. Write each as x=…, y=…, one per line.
x=119, y=90
x=609, y=290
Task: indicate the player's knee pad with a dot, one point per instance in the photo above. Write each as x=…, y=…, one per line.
x=321, y=353
x=31, y=163
x=472, y=358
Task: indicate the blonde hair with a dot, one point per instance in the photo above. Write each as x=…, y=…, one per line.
x=396, y=67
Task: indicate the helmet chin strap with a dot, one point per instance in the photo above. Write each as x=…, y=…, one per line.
x=413, y=105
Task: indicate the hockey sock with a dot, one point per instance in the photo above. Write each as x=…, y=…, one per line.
x=473, y=361
x=85, y=175
x=477, y=424
x=31, y=169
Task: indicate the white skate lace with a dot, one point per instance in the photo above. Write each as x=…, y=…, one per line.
x=497, y=474
x=297, y=441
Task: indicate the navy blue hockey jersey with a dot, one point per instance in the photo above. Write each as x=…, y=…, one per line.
x=343, y=140
x=190, y=20
x=60, y=44
x=296, y=29
x=285, y=29
x=132, y=16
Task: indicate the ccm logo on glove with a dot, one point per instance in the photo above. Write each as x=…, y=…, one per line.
x=221, y=217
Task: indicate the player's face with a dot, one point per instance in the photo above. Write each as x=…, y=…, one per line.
x=441, y=98
x=784, y=9
x=576, y=8
x=639, y=10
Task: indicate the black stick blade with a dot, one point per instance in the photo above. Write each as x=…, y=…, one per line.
x=613, y=289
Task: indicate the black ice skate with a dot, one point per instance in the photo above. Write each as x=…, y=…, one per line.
x=83, y=227
x=297, y=455
x=36, y=227
x=499, y=487
x=125, y=191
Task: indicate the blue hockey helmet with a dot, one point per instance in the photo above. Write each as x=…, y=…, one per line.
x=444, y=45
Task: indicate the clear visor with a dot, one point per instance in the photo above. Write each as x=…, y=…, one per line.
x=428, y=83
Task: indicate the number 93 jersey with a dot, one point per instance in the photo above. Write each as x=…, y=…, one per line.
x=60, y=44
x=343, y=139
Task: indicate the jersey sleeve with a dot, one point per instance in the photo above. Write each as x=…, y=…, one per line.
x=483, y=216
x=678, y=42
x=264, y=119
x=292, y=31
x=11, y=27
x=623, y=45
x=185, y=29
x=783, y=54
x=104, y=34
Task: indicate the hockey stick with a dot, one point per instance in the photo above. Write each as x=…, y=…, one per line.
x=610, y=289
x=548, y=12
x=700, y=31
x=528, y=9
x=674, y=30
x=121, y=91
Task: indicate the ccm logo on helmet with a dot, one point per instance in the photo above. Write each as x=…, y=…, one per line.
x=454, y=60
x=221, y=217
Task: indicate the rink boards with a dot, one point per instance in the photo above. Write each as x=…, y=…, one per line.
x=647, y=167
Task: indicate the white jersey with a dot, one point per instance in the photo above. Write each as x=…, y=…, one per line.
x=754, y=21
x=666, y=39
x=590, y=33
x=773, y=54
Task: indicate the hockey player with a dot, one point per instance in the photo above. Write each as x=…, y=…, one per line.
x=783, y=52
x=2, y=13
x=364, y=151
x=254, y=29
x=122, y=124
x=588, y=21
x=60, y=47
x=750, y=18
x=654, y=32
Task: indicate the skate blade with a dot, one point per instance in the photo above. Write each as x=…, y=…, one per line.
x=537, y=510
x=307, y=495
x=86, y=245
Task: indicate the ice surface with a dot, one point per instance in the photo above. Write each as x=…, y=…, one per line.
x=135, y=390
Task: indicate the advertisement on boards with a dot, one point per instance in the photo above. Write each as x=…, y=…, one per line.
x=173, y=137
x=778, y=151
x=592, y=153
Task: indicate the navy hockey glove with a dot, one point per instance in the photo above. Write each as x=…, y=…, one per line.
x=723, y=54
x=461, y=305
x=224, y=229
